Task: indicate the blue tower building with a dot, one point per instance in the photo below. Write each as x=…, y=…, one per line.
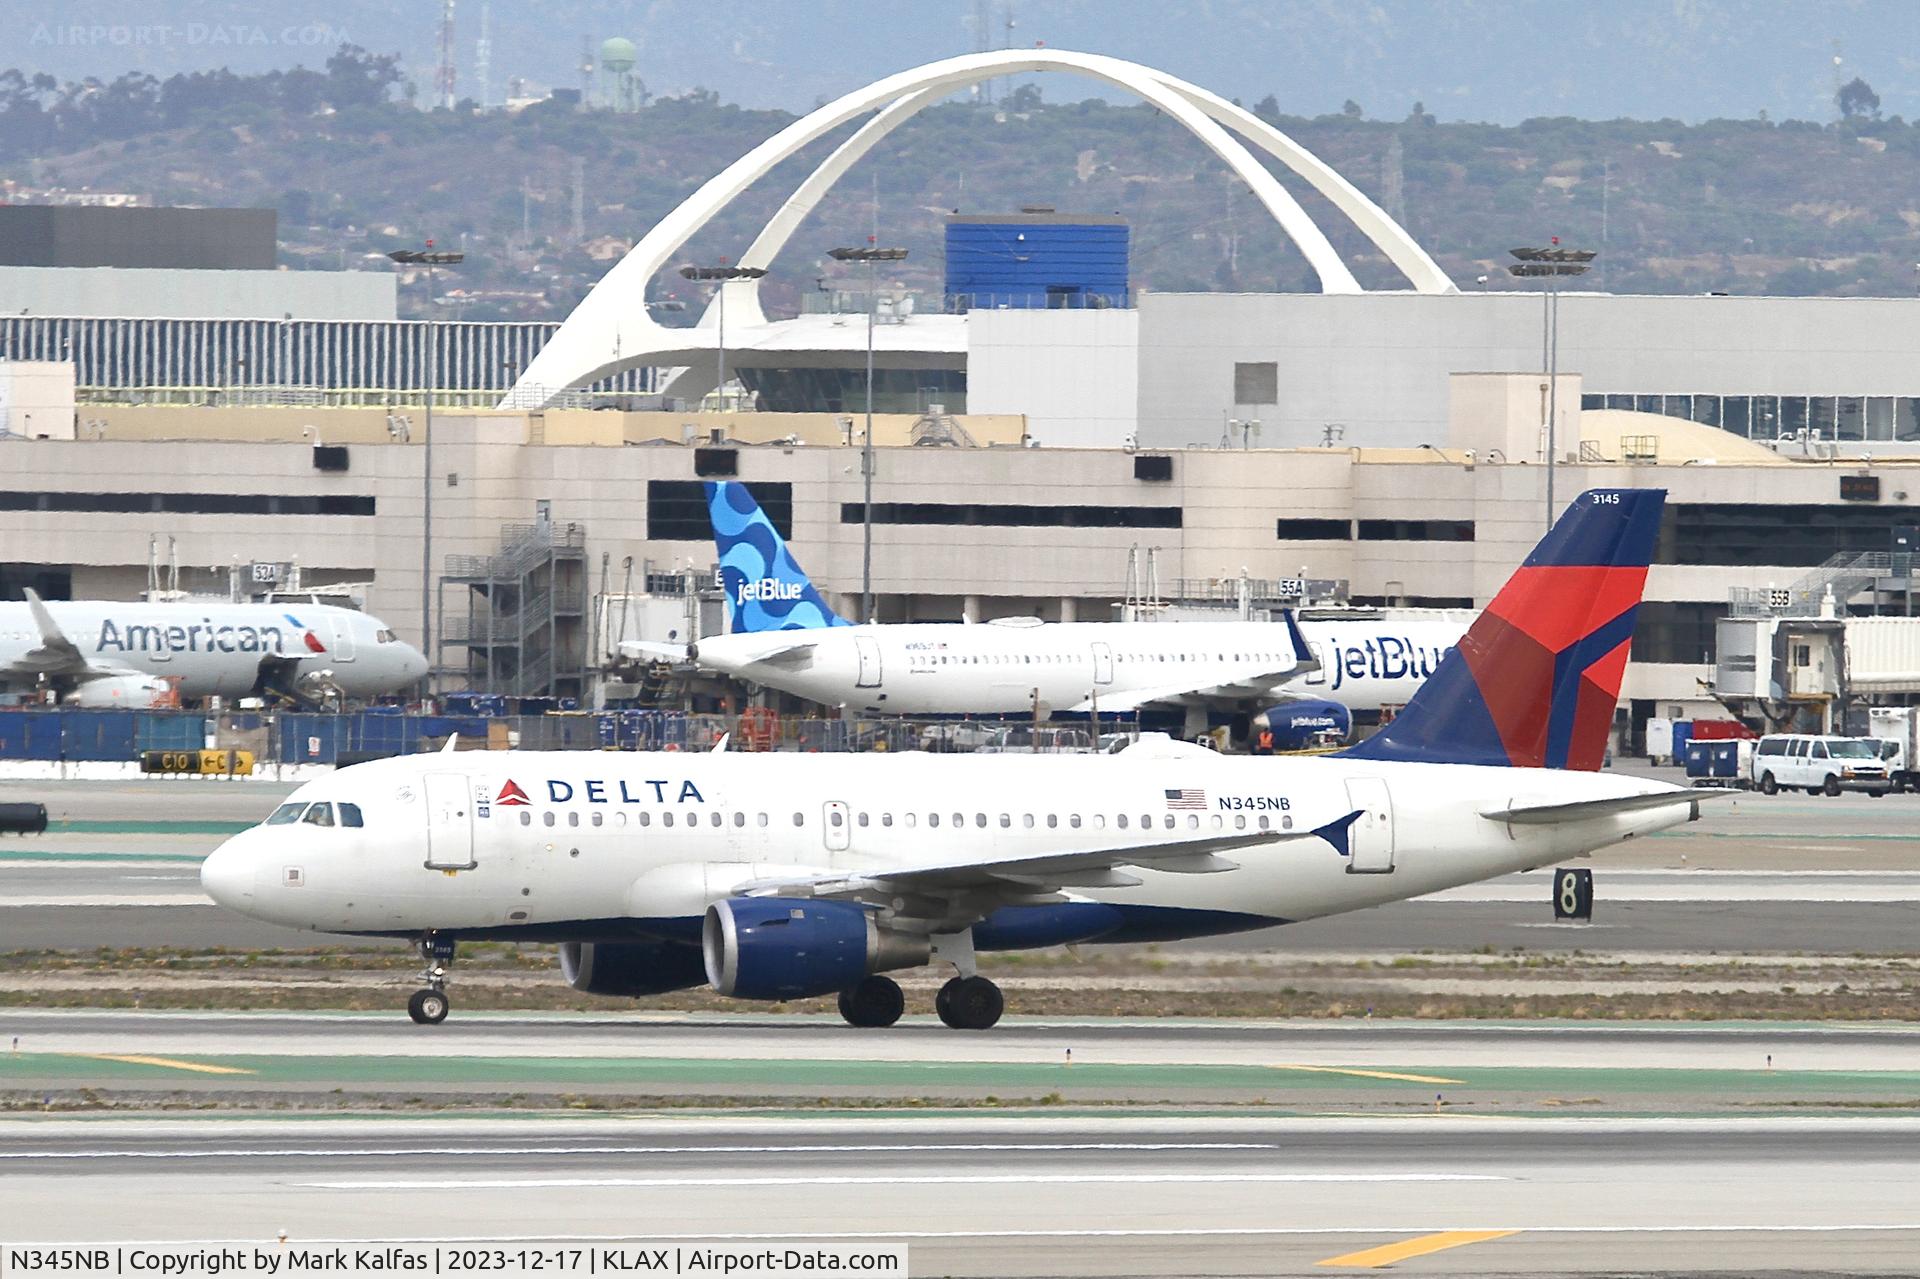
x=1036, y=258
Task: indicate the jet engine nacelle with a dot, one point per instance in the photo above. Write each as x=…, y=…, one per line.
x=112, y=691
x=795, y=948
x=631, y=969
x=1298, y=725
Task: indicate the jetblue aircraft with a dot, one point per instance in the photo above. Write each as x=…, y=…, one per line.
x=95, y=653
x=783, y=876
x=785, y=635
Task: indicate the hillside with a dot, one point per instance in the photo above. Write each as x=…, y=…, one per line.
x=1743, y=206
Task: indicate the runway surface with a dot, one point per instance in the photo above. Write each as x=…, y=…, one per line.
x=979, y=1195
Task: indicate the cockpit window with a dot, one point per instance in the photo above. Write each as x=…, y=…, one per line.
x=350, y=815
x=286, y=814
x=385, y=636
x=319, y=815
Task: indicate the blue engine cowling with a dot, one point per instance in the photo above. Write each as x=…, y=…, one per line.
x=631, y=969
x=795, y=948
x=1298, y=725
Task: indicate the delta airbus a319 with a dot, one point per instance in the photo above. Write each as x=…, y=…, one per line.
x=784, y=876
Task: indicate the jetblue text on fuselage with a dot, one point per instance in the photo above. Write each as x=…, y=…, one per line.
x=595, y=791
x=1384, y=657
x=201, y=637
x=769, y=589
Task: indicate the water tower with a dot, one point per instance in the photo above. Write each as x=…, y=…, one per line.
x=623, y=88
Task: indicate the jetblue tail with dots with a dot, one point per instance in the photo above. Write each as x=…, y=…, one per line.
x=1534, y=682
x=766, y=589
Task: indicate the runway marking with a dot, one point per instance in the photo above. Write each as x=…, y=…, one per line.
x=993, y=1179
x=1370, y=1074
x=1387, y=1254
x=419, y=1151
x=170, y=1063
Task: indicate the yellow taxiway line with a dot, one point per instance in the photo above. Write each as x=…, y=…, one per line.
x=1387, y=1254
x=1370, y=1074
x=170, y=1063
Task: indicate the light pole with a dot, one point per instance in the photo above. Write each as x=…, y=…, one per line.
x=722, y=273
x=1551, y=264
x=872, y=255
x=430, y=258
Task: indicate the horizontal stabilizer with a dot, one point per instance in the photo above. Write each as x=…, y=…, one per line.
x=1589, y=809
x=648, y=651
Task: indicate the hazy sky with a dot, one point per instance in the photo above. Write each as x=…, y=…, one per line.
x=1495, y=60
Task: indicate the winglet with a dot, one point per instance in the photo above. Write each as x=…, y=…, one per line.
x=49, y=629
x=767, y=590
x=453, y=743
x=720, y=747
x=1338, y=831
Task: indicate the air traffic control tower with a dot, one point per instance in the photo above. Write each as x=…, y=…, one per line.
x=1036, y=259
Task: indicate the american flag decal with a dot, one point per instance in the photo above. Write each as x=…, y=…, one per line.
x=1187, y=799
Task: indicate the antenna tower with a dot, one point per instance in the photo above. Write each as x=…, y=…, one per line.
x=443, y=77
x=483, y=57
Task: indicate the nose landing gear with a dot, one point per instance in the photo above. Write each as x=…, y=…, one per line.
x=429, y=1007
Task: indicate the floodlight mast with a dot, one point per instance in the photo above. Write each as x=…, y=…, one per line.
x=722, y=273
x=872, y=255
x=1551, y=263
x=430, y=258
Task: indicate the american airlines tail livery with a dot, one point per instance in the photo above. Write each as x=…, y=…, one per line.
x=783, y=876
x=96, y=653
x=785, y=635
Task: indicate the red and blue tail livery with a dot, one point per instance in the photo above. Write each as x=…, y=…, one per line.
x=1535, y=681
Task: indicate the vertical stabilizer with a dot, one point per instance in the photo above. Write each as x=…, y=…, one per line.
x=1534, y=682
x=766, y=589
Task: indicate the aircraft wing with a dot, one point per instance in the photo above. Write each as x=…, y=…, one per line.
x=1213, y=681
x=1044, y=872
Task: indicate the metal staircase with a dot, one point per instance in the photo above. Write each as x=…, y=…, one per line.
x=1846, y=575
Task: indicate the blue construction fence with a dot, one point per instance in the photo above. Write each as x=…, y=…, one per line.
x=81, y=736
x=78, y=736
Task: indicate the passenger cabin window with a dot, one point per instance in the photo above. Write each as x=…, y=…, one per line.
x=526, y=818
x=350, y=815
x=319, y=815
x=286, y=814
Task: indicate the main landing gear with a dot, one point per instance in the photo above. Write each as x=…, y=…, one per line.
x=428, y=1007
x=967, y=1002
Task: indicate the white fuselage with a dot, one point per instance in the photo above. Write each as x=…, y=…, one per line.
x=216, y=647
x=605, y=840
x=996, y=668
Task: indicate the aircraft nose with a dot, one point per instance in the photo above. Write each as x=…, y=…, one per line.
x=228, y=873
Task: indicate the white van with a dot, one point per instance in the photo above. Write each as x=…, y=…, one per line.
x=1820, y=765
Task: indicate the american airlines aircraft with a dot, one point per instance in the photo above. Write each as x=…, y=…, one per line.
x=785, y=635
x=95, y=653
x=784, y=876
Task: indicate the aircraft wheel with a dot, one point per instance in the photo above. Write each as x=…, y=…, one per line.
x=1833, y=785
x=428, y=1007
x=970, y=1003
x=1767, y=785
x=875, y=1002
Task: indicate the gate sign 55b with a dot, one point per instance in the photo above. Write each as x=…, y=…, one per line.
x=1573, y=893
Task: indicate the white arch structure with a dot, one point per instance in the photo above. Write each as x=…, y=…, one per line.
x=610, y=330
